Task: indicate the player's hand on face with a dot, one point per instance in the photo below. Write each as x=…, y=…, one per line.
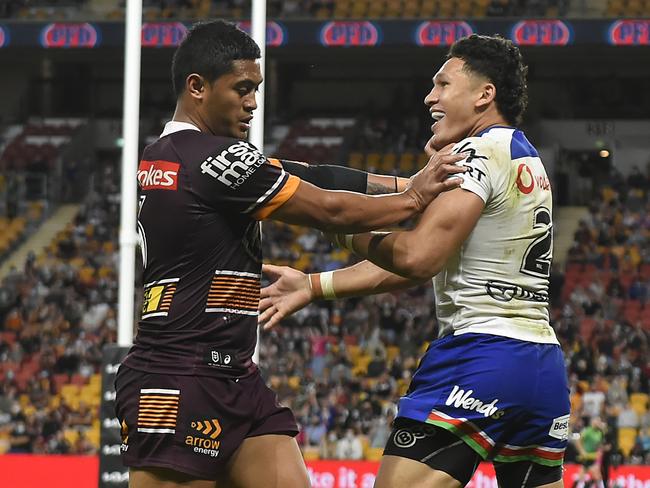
x=289, y=292
x=437, y=176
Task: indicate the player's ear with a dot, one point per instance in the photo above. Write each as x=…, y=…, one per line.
x=487, y=94
x=195, y=85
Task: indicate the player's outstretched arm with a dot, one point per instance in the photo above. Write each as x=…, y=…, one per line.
x=292, y=290
x=340, y=211
x=334, y=177
x=421, y=253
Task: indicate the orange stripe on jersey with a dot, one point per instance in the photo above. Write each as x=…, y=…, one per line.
x=274, y=162
x=278, y=200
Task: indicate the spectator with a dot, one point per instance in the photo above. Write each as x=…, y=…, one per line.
x=349, y=446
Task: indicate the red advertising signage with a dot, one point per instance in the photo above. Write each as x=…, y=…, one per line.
x=163, y=34
x=441, y=32
x=361, y=474
x=66, y=35
x=4, y=37
x=33, y=471
x=541, y=33
x=275, y=33
x=350, y=33
x=630, y=32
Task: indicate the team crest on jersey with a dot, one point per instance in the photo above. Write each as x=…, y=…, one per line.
x=234, y=165
x=157, y=298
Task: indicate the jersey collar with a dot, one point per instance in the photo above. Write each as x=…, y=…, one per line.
x=496, y=126
x=175, y=126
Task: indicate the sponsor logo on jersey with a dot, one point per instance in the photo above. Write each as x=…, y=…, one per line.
x=234, y=165
x=527, y=180
x=464, y=399
x=505, y=292
x=157, y=298
x=158, y=175
x=472, y=171
x=220, y=359
x=206, y=441
x=560, y=428
x=407, y=437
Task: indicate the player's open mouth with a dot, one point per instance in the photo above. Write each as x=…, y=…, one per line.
x=437, y=116
x=246, y=123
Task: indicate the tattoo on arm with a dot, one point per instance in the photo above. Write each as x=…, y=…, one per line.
x=375, y=188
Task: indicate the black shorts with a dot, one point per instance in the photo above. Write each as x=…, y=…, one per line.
x=443, y=451
x=193, y=424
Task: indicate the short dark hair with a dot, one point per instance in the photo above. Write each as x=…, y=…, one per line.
x=209, y=50
x=499, y=60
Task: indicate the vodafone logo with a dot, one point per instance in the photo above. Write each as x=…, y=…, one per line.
x=158, y=175
x=525, y=180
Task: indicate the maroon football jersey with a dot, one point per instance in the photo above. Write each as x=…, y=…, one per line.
x=201, y=197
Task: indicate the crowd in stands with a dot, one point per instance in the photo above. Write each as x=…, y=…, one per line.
x=340, y=365
x=320, y=9
x=56, y=314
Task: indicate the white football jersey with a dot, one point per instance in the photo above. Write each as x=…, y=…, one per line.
x=497, y=281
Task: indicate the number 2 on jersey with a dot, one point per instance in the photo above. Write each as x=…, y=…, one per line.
x=537, y=258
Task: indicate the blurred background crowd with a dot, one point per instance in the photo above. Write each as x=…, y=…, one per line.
x=340, y=365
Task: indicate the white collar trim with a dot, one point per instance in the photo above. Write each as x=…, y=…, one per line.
x=175, y=126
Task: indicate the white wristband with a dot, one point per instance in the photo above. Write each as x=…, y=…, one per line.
x=327, y=284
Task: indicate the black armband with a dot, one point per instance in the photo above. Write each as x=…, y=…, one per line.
x=329, y=176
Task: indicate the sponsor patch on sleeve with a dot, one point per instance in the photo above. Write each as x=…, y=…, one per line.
x=158, y=175
x=234, y=165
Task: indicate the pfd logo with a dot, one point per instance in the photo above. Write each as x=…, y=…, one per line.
x=4, y=37
x=163, y=34
x=276, y=34
x=541, y=33
x=441, y=33
x=158, y=175
x=629, y=32
x=66, y=35
x=350, y=33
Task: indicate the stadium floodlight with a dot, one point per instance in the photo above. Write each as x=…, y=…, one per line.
x=256, y=136
x=130, y=156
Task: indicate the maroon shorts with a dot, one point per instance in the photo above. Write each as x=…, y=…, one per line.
x=193, y=424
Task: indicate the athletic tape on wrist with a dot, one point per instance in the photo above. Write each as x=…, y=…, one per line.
x=327, y=284
x=315, y=285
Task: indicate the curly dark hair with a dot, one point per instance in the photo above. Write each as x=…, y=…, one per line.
x=209, y=50
x=499, y=60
